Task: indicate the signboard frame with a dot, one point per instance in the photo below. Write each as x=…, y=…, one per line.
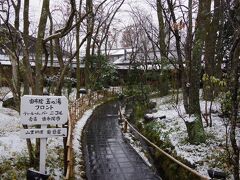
x=43, y=110
x=38, y=110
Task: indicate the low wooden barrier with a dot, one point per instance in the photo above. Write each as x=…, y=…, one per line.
x=76, y=110
x=127, y=124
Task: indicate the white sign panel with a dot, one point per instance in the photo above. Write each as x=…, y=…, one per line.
x=43, y=110
x=43, y=133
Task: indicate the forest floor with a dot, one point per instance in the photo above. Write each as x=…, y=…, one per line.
x=209, y=155
x=13, y=149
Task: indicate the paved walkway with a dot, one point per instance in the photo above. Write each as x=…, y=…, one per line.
x=108, y=156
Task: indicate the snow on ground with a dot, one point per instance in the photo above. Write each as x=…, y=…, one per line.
x=5, y=93
x=134, y=142
x=11, y=145
x=77, y=135
x=174, y=125
x=136, y=145
x=10, y=142
x=199, y=155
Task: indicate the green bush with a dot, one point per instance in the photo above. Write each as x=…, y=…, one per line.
x=102, y=73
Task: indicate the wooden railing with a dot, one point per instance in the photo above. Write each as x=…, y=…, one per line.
x=76, y=110
x=128, y=124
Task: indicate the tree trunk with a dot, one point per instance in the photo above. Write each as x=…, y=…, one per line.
x=233, y=84
x=195, y=76
x=15, y=79
x=90, y=21
x=195, y=134
x=191, y=90
x=161, y=26
x=210, y=46
x=38, y=61
x=181, y=69
x=188, y=58
x=39, y=46
x=27, y=80
x=78, y=70
x=17, y=8
x=219, y=51
x=27, y=72
x=1, y=75
x=234, y=88
x=30, y=149
x=15, y=60
x=195, y=67
x=51, y=49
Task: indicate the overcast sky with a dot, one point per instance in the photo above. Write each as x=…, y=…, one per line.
x=123, y=15
x=35, y=10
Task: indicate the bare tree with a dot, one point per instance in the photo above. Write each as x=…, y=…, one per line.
x=90, y=26
x=187, y=56
x=78, y=73
x=233, y=74
x=104, y=24
x=16, y=47
x=11, y=37
x=101, y=16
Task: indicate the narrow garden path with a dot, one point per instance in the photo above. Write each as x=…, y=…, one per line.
x=108, y=156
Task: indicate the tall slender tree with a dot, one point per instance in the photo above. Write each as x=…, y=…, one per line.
x=233, y=75
x=90, y=26
x=39, y=47
x=189, y=67
x=78, y=73
x=161, y=29
x=27, y=72
x=39, y=61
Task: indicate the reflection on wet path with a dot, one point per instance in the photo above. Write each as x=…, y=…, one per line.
x=107, y=155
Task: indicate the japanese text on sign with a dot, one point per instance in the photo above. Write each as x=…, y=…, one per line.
x=44, y=133
x=44, y=109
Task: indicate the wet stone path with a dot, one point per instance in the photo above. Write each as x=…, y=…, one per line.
x=108, y=156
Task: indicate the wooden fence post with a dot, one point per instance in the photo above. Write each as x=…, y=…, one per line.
x=89, y=99
x=77, y=110
x=125, y=126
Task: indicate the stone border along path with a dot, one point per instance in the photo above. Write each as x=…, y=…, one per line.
x=107, y=155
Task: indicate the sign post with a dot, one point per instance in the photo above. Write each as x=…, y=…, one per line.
x=43, y=110
x=43, y=152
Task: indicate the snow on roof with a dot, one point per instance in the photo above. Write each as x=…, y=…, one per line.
x=121, y=60
x=117, y=52
x=4, y=60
